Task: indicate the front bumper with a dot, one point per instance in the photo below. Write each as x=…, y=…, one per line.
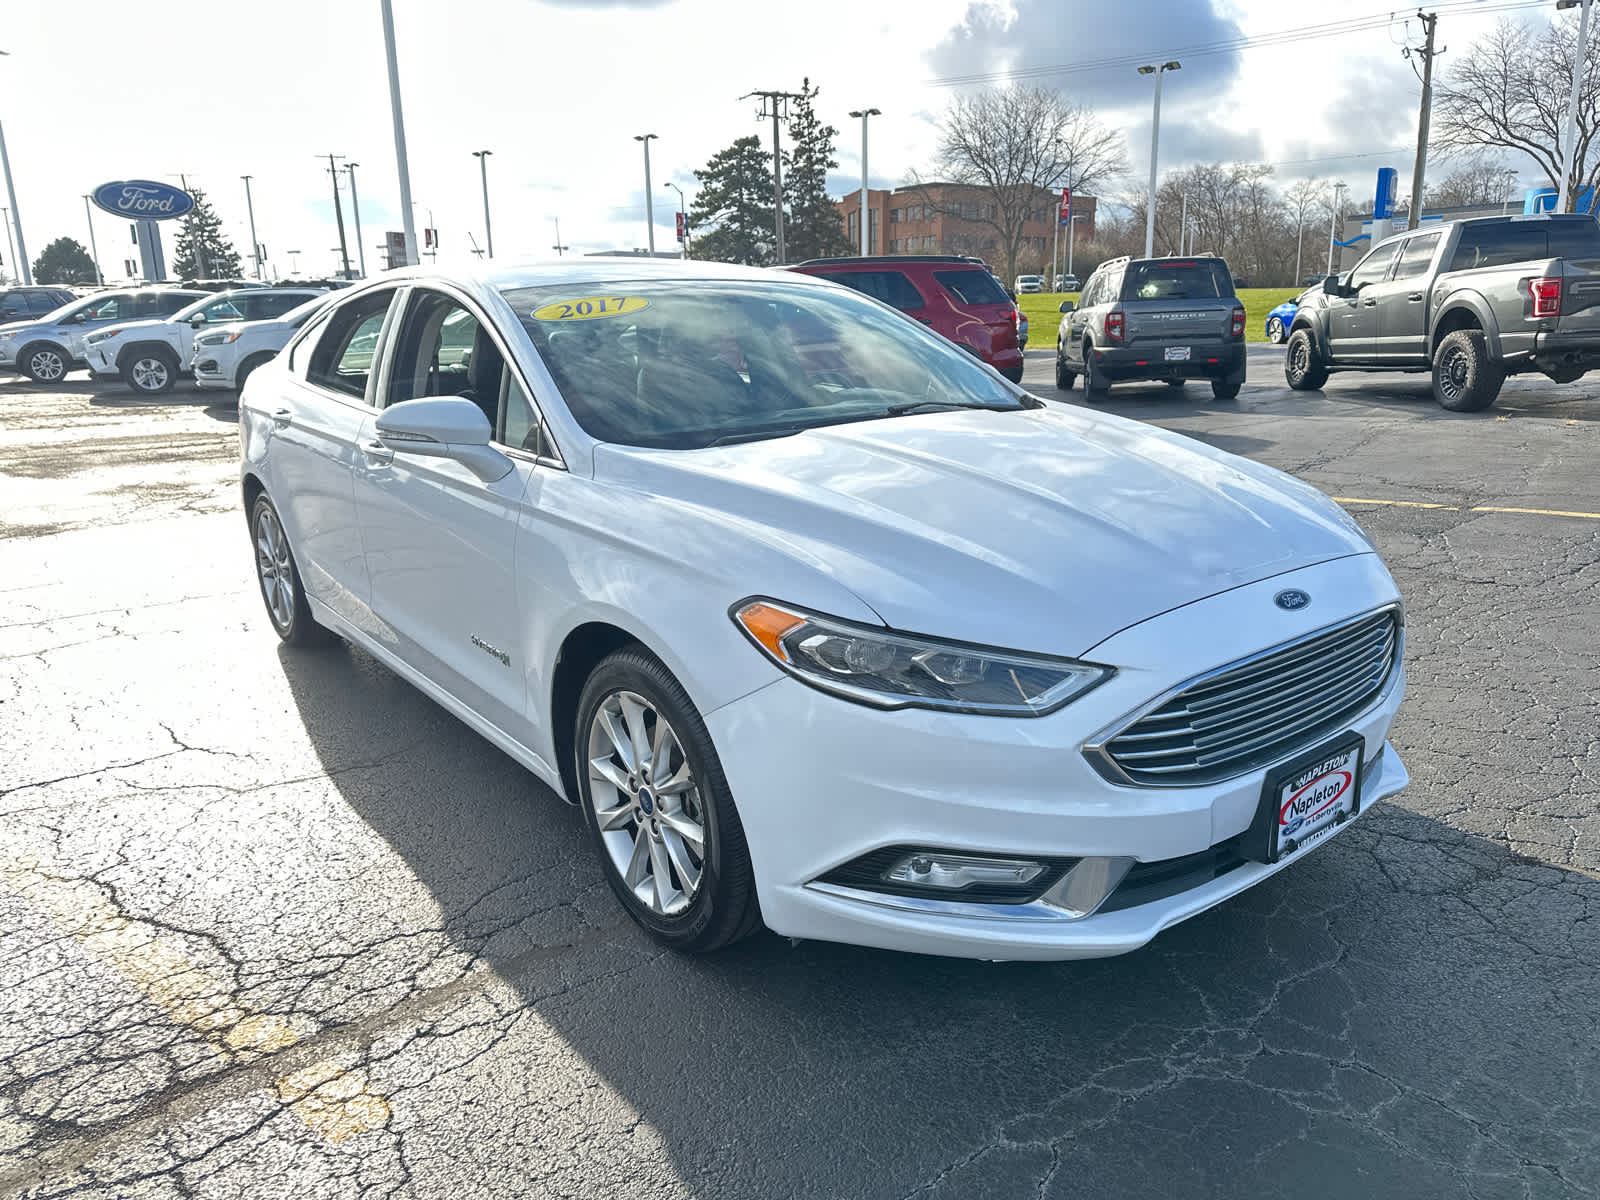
x=1147, y=360
x=211, y=372
x=857, y=779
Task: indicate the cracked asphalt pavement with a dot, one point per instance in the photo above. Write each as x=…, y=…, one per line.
x=274, y=924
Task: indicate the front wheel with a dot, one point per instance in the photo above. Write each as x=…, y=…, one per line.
x=279, y=578
x=1302, y=370
x=658, y=808
x=1064, y=377
x=1465, y=379
x=150, y=372
x=47, y=363
x=1275, y=331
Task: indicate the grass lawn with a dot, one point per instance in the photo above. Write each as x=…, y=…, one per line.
x=1044, y=317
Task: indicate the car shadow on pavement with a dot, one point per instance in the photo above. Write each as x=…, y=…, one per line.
x=1374, y=1021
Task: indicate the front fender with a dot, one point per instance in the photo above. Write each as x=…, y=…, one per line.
x=1465, y=300
x=146, y=346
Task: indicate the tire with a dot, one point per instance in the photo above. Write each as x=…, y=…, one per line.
x=1095, y=384
x=1275, y=331
x=247, y=366
x=637, y=831
x=1301, y=368
x=1226, y=389
x=150, y=372
x=45, y=362
x=1064, y=377
x=1465, y=378
x=1014, y=374
x=279, y=577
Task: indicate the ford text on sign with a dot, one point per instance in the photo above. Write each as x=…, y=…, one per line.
x=143, y=199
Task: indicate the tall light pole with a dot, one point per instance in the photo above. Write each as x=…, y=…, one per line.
x=1511, y=178
x=683, y=207
x=483, y=169
x=865, y=218
x=19, y=253
x=1055, y=233
x=559, y=248
x=94, y=251
x=1572, y=103
x=432, y=236
x=406, y=217
x=355, y=211
x=649, y=204
x=1338, y=211
x=1155, y=143
x=250, y=207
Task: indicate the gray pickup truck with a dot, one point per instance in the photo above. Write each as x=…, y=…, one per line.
x=1473, y=301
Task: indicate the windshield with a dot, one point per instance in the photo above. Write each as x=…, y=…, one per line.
x=687, y=364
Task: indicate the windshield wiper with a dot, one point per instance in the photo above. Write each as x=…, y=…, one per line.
x=917, y=406
x=755, y=435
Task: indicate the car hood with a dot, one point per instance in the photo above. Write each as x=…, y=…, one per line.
x=1051, y=529
x=146, y=323
x=20, y=326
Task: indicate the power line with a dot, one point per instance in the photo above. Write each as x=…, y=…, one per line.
x=1231, y=45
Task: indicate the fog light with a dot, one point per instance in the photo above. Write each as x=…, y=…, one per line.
x=954, y=872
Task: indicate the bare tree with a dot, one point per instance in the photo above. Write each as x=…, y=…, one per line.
x=1303, y=202
x=1510, y=91
x=1013, y=144
x=1477, y=180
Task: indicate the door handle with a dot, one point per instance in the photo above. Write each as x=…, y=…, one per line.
x=1415, y=297
x=1369, y=304
x=283, y=418
x=378, y=454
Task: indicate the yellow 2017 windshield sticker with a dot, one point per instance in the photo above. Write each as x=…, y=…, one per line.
x=586, y=308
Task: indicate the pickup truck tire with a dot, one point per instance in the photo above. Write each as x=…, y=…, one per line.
x=1465, y=378
x=1095, y=385
x=1064, y=377
x=1302, y=370
x=45, y=362
x=151, y=371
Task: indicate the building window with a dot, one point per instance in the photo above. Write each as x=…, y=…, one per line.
x=894, y=216
x=914, y=213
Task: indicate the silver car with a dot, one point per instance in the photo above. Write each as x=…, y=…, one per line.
x=46, y=349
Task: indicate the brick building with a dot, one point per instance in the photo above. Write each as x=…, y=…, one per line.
x=945, y=218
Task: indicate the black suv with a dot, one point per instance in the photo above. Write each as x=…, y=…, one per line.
x=1172, y=319
x=27, y=303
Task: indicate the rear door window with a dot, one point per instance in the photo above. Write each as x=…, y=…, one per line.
x=1498, y=245
x=892, y=287
x=1176, y=279
x=972, y=287
x=43, y=302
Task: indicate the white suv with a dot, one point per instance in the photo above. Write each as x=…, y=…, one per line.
x=225, y=356
x=149, y=355
x=45, y=350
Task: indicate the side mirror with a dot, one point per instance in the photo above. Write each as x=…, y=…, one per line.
x=197, y=320
x=444, y=427
x=1068, y=306
x=1331, y=287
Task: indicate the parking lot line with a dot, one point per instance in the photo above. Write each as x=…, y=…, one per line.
x=1483, y=508
x=332, y=1096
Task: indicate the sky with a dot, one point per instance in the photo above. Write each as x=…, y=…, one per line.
x=559, y=89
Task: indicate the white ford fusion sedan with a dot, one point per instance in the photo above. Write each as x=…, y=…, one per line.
x=821, y=623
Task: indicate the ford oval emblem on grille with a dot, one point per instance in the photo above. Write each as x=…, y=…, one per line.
x=1292, y=599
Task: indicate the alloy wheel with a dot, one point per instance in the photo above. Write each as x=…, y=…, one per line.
x=647, y=803
x=1453, y=372
x=1275, y=330
x=48, y=365
x=1299, y=357
x=274, y=568
x=150, y=374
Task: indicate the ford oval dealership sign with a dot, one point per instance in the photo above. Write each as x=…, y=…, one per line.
x=143, y=199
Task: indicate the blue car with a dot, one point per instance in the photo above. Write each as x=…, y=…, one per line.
x=1280, y=318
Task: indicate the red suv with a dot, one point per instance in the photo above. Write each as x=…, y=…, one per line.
x=956, y=296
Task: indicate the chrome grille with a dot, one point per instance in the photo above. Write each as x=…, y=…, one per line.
x=1260, y=709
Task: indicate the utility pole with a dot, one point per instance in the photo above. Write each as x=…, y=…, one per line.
x=250, y=207
x=355, y=211
x=19, y=253
x=864, y=220
x=94, y=250
x=649, y=200
x=338, y=213
x=1572, y=108
x=559, y=248
x=1430, y=22
x=483, y=171
x=407, y=218
x=476, y=249
x=775, y=104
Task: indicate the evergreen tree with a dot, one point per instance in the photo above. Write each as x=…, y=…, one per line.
x=814, y=228
x=64, y=261
x=203, y=251
x=732, y=215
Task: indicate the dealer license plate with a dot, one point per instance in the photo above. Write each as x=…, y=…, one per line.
x=1305, y=801
x=1177, y=354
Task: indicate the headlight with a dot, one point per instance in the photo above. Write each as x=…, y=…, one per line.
x=895, y=670
x=216, y=339
x=104, y=335
x=6, y=337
